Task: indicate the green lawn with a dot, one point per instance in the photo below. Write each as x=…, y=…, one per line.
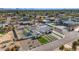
x=42, y=40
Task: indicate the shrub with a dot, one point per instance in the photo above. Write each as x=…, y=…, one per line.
x=74, y=44
x=61, y=47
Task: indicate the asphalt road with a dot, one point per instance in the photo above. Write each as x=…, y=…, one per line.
x=53, y=45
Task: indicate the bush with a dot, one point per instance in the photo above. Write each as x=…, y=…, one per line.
x=74, y=44
x=78, y=40
x=61, y=47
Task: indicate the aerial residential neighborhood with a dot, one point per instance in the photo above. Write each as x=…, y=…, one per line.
x=39, y=30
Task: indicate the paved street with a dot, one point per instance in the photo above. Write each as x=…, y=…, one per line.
x=53, y=45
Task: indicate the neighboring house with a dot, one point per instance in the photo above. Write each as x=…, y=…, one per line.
x=46, y=21
x=58, y=21
x=71, y=24
x=3, y=24
x=25, y=21
x=44, y=29
x=38, y=30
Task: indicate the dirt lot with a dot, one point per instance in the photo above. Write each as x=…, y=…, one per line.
x=7, y=37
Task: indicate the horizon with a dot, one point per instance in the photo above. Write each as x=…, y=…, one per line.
x=39, y=8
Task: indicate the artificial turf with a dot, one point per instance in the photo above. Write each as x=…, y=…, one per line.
x=42, y=40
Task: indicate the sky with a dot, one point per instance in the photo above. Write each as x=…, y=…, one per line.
x=39, y=3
